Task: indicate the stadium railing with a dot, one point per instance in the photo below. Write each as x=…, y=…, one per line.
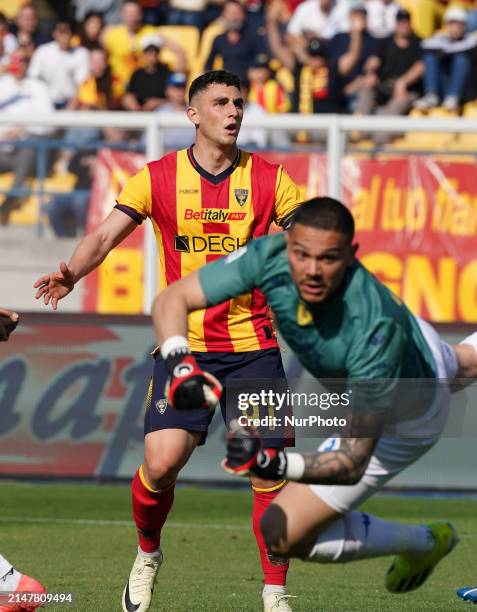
x=335, y=128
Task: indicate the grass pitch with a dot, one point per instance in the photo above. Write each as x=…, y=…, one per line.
x=79, y=539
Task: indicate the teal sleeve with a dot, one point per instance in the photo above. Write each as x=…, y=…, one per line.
x=232, y=275
x=374, y=366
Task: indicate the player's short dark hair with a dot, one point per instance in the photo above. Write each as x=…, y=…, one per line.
x=327, y=214
x=219, y=77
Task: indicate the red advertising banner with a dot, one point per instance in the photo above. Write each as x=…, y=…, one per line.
x=72, y=396
x=416, y=220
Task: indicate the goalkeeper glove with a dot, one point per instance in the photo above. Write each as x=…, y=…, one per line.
x=188, y=387
x=245, y=455
x=7, y=325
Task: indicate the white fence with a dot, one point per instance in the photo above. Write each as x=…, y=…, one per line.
x=336, y=128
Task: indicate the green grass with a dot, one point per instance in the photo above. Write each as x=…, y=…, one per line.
x=211, y=563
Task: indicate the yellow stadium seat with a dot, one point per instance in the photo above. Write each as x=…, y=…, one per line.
x=185, y=36
x=467, y=142
x=29, y=212
x=428, y=141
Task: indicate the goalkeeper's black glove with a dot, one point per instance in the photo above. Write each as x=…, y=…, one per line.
x=245, y=455
x=7, y=325
x=188, y=386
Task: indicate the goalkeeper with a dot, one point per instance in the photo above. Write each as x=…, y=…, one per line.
x=341, y=322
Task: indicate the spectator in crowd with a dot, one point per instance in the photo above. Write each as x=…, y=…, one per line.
x=60, y=66
x=146, y=89
x=101, y=90
x=382, y=17
x=109, y=9
x=186, y=12
x=8, y=43
x=238, y=45
x=471, y=7
x=393, y=77
x=176, y=138
x=154, y=12
x=313, y=92
x=27, y=27
x=67, y=212
x=448, y=62
x=348, y=54
x=264, y=89
x=123, y=42
x=90, y=30
x=19, y=93
x=319, y=19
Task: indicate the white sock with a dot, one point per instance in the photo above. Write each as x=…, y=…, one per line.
x=274, y=588
x=143, y=553
x=358, y=535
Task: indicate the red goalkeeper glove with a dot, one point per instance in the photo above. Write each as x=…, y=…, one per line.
x=188, y=386
x=245, y=455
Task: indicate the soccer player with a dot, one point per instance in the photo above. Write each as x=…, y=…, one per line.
x=204, y=202
x=342, y=323
x=11, y=581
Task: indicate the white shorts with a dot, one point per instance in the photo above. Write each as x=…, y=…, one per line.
x=394, y=454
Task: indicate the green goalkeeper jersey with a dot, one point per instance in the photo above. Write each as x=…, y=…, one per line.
x=363, y=331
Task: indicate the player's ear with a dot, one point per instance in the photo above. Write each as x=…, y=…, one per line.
x=193, y=115
x=354, y=249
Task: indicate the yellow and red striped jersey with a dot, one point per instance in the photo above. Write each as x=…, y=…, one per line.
x=198, y=217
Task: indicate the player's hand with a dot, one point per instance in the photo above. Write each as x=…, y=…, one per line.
x=8, y=322
x=55, y=286
x=188, y=386
x=245, y=455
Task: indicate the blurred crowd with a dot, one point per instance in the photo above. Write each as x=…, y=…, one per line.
x=304, y=56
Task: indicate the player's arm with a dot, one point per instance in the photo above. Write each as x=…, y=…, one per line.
x=343, y=466
x=88, y=255
x=134, y=204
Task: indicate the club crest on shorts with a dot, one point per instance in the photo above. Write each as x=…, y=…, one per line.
x=161, y=405
x=241, y=196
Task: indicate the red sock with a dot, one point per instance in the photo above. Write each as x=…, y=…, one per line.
x=273, y=574
x=150, y=510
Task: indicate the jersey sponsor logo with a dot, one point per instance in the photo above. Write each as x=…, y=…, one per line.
x=211, y=243
x=188, y=191
x=303, y=315
x=214, y=215
x=241, y=196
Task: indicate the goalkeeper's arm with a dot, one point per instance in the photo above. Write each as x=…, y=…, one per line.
x=343, y=466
